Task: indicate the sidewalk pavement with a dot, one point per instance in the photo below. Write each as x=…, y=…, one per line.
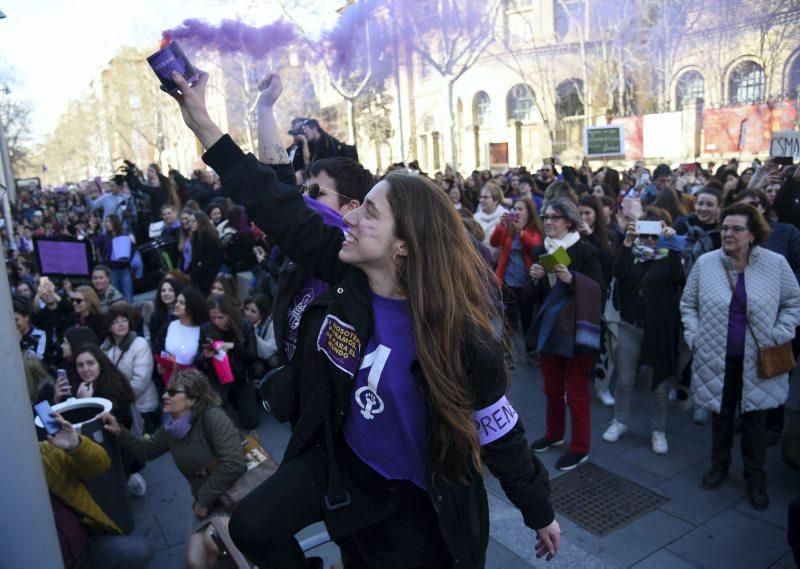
x=695, y=528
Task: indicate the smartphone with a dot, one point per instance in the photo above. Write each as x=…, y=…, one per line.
x=61, y=378
x=690, y=168
x=648, y=228
x=783, y=160
x=171, y=58
x=644, y=179
x=45, y=414
x=513, y=216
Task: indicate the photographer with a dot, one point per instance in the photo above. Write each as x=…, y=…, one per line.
x=298, y=152
x=117, y=202
x=156, y=185
x=323, y=145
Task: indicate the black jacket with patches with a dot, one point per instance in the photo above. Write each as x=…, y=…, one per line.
x=325, y=388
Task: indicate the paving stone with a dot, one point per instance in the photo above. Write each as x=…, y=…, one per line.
x=170, y=496
x=171, y=558
x=681, y=455
x=497, y=555
x=627, y=470
x=664, y=559
x=150, y=529
x=732, y=540
x=507, y=528
x=518, y=564
x=781, y=491
x=785, y=562
x=692, y=503
x=160, y=470
x=633, y=542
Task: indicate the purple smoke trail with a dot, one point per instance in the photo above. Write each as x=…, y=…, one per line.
x=231, y=36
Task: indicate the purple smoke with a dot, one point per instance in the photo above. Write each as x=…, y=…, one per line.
x=231, y=36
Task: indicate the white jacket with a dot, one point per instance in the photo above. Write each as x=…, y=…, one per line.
x=488, y=221
x=135, y=363
x=773, y=311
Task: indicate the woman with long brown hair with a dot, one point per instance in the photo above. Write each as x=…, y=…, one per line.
x=206, y=251
x=401, y=377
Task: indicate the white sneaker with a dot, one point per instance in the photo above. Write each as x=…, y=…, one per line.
x=614, y=431
x=700, y=415
x=659, y=442
x=606, y=398
x=136, y=485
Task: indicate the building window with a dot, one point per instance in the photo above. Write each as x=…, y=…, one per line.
x=568, y=98
x=794, y=79
x=481, y=109
x=747, y=83
x=566, y=14
x=519, y=103
x=690, y=86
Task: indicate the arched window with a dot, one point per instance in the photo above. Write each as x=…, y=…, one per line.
x=746, y=83
x=427, y=124
x=568, y=98
x=481, y=108
x=519, y=103
x=794, y=79
x=690, y=86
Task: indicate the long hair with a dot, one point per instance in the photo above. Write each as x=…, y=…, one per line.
x=158, y=304
x=453, y=296
x=669, y=200
x=224, y=305
x=167, y=185
x=205, y=229
x=533, y=215
x=111, y=383
x=35, y=375
x=116, y=225
x=600, y=226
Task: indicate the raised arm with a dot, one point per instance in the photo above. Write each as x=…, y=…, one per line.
x=278, y=209
x=270, y=149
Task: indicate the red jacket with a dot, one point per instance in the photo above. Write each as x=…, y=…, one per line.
x=502, y=239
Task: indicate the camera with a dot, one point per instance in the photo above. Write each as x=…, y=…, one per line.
x=298, y=131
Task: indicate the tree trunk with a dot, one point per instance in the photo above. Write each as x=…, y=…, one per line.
x=451, y=117
x=351, y=119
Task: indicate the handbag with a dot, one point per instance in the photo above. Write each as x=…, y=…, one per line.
x=260, y=466
x=773, y=361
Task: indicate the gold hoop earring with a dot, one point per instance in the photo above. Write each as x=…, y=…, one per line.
x=394, y=258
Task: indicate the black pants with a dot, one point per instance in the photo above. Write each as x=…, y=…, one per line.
x=793, y=531
x=240, y=397
x=395, y=525
x=754, y=428
x=516, y=308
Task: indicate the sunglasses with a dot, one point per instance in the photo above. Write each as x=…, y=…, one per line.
x=314, y=191
x=76, y=300
x=551, y=217
x=174, y=392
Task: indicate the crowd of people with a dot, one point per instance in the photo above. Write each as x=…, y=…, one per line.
x=384, y=314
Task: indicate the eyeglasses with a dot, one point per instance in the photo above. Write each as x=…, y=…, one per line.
x=120, y=320
x=76, y=300
x=551, y=217
x=174, y=392
x=754, y=204
x=314, y=191
x=734, y=228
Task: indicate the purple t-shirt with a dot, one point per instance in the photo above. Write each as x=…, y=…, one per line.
x=737, y=319
x=385, y=419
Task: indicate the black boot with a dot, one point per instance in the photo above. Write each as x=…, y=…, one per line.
x=758, y=496
x=714, y=477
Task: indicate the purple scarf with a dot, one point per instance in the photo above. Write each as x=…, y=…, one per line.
x=179, y=427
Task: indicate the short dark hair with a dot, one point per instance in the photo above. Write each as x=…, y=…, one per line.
x=756, y=223
x=352, y=179
x=22, y=306
x=103, y=268
x=711, y=191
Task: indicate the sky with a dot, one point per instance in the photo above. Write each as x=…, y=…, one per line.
x=56, y=48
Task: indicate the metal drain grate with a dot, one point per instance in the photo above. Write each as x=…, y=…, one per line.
x=601, y=501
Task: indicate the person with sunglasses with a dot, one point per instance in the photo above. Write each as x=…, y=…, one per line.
x=649, y=278
x=334, y=188
x=565, y=363
x=86, y=310
x=197, y=433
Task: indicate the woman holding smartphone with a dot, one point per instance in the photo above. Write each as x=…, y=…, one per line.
x=399, y=350
x=180, y=341
x=228, y=334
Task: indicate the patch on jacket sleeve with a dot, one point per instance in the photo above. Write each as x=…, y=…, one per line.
x=495, y=421
x=340, y=344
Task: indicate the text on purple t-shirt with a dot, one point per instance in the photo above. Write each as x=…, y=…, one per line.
x=385, y=419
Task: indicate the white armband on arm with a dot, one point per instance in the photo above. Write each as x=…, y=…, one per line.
x=495, y=421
